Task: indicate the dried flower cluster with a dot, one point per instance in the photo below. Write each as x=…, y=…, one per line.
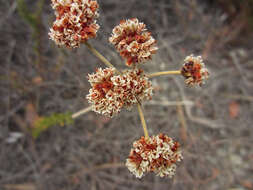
x=102, y=97
x=194, y=70
x=157, y=154
x=135, y=87
x=133, y=42
x=75, y=22
x=110, y=92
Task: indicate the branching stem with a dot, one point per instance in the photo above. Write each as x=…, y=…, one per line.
x=100, y=56
x=143, y=122
x=164, y=73
x=81, y=112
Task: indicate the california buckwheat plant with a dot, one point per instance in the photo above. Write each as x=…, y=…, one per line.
x=112, y=89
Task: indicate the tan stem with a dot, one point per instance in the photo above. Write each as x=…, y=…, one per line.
x=143, y=122
x=100, y=56
x=164, y=73
x=81, y=112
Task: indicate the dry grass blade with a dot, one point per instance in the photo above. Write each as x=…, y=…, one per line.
x=181, y=117
x=97, y=168
x=27, y=186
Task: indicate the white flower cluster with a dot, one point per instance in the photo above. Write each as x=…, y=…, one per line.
x=157, y=154
x=194, y=70
x=110, y=92
x=133, y=42
x=75, y=22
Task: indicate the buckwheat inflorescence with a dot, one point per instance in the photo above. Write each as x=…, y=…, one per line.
x=135, y=87
x=75, y=22
x=194, y=70
x=157, y=154
x=102, y=95
x=133, y=41
x=110, y=92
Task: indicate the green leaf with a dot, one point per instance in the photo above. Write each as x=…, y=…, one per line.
x=44, y=123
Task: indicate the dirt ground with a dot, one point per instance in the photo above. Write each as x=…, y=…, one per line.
x=213, y=123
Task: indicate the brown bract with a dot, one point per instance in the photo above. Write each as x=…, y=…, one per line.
x=110, y=92
x=194, y=70
x=75, y=22
x=133, y=42
x=157, y=154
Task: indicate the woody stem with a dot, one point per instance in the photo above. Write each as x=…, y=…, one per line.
x=164, y=73
x=100, y=56
x=143, y=122
x=81, y=112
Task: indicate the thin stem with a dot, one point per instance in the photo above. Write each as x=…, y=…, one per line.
x=143, y=121
x=81, y=112
x=100, y=56
x=164, y=73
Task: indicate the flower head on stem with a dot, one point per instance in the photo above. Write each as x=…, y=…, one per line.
x=111, y=92
x=133, y=42
x=75, y=22
x=194, y=70
x=158, y=154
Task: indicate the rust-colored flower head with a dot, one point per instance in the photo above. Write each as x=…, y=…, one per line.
x=134, y=87
x=75, y=22
x=133, y=42
x=110, y=92
x=158, y=154
x=194, y=70
x=102, y=97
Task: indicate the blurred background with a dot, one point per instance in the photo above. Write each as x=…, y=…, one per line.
x=42, y=149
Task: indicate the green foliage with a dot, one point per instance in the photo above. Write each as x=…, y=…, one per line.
x=44, y=123
x=29, y=17
x=34, y=21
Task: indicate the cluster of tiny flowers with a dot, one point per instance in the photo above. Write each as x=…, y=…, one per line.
x=110, y=92
x=133, y=42
x=157, y=154
x=75, y=22
x=194, y=70
x=135, y=87
x=102, y=96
